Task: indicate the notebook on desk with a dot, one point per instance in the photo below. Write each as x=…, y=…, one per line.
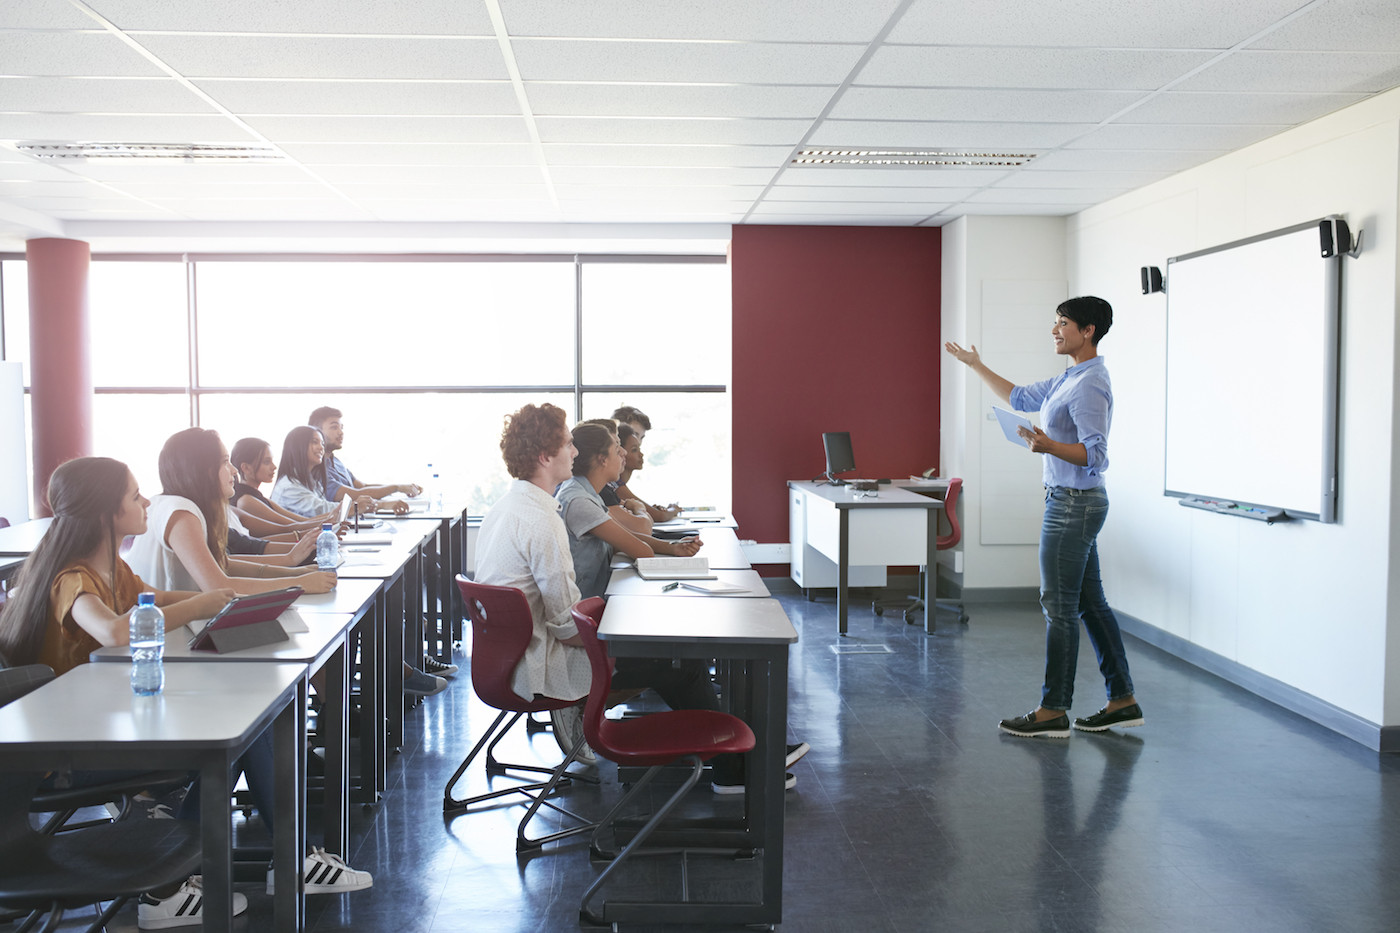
x=674, y=568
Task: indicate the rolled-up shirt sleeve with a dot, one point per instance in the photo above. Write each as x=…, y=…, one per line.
x=1091, y=409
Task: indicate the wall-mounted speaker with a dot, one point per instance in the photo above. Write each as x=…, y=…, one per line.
x=1151, y=280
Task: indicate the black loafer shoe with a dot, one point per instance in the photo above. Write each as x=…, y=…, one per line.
x=1028, y=726
x=1100, y=721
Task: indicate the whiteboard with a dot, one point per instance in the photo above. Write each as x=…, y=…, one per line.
x=1252, y=373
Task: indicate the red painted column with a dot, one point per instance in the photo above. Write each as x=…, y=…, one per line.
x=60, y=371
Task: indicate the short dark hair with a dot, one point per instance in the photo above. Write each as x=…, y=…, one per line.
x=320, y=415
x=627, y=413
x=1086, y=310
x=625, y=433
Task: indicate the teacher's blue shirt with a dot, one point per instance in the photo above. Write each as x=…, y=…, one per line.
x=1076, y=407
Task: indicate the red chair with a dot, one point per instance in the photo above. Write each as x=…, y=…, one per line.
x=501, y=629
x=652, y=741
x=911, y=605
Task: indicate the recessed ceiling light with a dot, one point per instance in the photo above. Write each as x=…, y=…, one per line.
x=180, y=152
x=925, y=158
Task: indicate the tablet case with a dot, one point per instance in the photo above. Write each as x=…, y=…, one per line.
x=247, y=622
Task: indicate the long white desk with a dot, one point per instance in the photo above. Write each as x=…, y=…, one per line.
x=837, y=525
x=207, y=716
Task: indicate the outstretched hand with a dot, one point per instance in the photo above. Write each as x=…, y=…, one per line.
x=970, y=356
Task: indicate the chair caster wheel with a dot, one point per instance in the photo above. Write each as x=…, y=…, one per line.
x=879, y=610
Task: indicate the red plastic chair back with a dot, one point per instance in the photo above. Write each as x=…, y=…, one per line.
x=950, y=509
x=587, y=614
x=501, y=628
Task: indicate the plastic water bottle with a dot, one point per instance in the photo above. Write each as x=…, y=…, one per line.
x=436, y=497
x=327, y=548
x=147, y=647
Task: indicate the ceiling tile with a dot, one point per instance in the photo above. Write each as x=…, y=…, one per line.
x=517, y=209
x=989, y=67
x=188, y=173
x=472, y=187
x=703, y=131
x=196, y=190
x=1185, y=24
x=265, y=209
x=906, y=209
x=1342, y=26
x=414, y=178
x=204, y=56
x=1175, y=136
x=71, y=53
x=770, y=157
x=935, y=134
x=99, y=95
x=1085, y=195
x=1239, y=109
x=684, y=192
x=690, y=62
x=650, y=100
x=440, y=17
x=1315, y=72
x=1125, y=160
x=868, y=195
x=171, y=128
x=813, y=21
x=1008, y=106
x=393, y=153
x=265, y=96
x=658, y=176
x=1029, y=177
x=43, y=14
x=404, y=129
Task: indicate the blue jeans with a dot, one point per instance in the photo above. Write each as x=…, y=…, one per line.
x=1071, y=588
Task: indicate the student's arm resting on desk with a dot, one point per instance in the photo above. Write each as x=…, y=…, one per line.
x=656, y=513
x=185, y=536
x=112, y=630
x=263, y=520
x=637, y=524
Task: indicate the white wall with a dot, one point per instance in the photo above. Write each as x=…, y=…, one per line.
x=1002, y=278
x=1311, y=605
x=14, y=473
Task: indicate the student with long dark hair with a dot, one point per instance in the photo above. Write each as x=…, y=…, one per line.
x=74, y=595
x=253, y=466
x=186, y=543
x=301, y=481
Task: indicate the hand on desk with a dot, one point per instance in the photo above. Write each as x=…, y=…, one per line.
x=685, y=547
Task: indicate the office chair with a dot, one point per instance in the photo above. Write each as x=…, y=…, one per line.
x=652, y=741
x=42, y=873
x=501, y=628
x=912, y=604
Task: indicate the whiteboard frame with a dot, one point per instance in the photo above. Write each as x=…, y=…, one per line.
x=1326, y=338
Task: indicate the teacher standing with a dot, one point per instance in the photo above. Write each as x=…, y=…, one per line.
x=1076, y=408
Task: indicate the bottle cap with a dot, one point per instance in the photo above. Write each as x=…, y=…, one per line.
x=146, y=599
x=326, y=526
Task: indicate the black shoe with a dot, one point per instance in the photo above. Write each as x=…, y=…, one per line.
x=1029, y=727
x=1100, y=721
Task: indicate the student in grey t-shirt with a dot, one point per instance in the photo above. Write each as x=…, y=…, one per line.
x=593, y=535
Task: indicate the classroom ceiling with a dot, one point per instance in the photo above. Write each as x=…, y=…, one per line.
x=432, y=114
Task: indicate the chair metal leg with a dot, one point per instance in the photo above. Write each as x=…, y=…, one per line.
x=696, y=766
x=524, y=843
x=452, y=806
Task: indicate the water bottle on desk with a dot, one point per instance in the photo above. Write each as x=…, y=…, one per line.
x=327, y=548
x=147, y=647
x=435, y=496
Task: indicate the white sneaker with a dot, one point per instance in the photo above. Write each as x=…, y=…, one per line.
x=183, y=908
x=326, y=873
x=568, y=731
x=789, y=782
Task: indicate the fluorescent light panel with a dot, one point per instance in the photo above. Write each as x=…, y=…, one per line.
x=181, y=152
x=927, y=158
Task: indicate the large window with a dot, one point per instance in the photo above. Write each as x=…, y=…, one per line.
x=424, y=355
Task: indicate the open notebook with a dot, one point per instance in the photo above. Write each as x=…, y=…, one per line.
x=674, y=568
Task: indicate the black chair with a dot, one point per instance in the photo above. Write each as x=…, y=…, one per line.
x=113, y=862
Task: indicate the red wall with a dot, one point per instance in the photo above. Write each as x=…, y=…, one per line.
x=835, y=329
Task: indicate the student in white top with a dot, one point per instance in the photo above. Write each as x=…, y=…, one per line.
x=185, y=546
x=252, y=460
x=300, y=485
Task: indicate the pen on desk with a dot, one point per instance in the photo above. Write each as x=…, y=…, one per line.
x=669, y=587
x=357, y=516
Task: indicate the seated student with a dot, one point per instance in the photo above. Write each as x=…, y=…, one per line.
x=523, y=544
x=593, y=535
x=252, y=460
x=75, y=594
x=640, y=424
x=277, y=553
x=631, y=514
x=186, y=545
x=300, y=486
x=340, y=482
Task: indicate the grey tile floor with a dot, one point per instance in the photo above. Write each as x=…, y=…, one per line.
x=914, y=813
